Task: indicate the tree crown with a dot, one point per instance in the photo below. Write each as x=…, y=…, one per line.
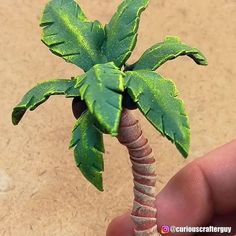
x=108, y=81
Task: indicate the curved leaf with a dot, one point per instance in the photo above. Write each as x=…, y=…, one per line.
x=121, y=32
x=40, y=93
x=88, y=142
x=101, y=88
x=68, y=34
x=171, y=48
x=156, y=98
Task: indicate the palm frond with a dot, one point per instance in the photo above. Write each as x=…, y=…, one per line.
x=40, y=93
x=89, y=149
x=68, y=34
x=101, y=88
x=157, y=99
x=170, y=49
x=121, y=32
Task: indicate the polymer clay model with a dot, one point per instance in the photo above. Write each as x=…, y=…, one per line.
x=109, y=88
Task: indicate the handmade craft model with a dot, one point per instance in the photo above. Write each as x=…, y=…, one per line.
x=109, y=89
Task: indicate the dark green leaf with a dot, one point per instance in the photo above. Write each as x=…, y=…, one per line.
x=171, y=48
x=101, y=88
x=40, y=93
x=88, y=142
x=122, y=31
x=69, y=34
x=157, y=99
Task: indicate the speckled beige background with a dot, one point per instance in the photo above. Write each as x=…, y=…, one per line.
x=41, y=190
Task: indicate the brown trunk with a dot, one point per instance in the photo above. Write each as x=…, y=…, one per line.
x=143, y=168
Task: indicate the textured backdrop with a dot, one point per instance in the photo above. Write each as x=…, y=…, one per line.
x=41, y=190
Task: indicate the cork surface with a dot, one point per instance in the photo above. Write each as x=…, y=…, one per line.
x=41, y=190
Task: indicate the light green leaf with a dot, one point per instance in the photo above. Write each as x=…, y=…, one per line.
x=68, y=34
x=160, y=53
x=157, y=99
x=89, y=149
x=122, y=30
x=101, y=88
x=40, y=93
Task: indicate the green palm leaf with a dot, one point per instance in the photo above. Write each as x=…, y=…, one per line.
x=101, y=88
x=121, y=32
x=68, y=34
x=156, y=98
x=171, y=48
x=89, y=149
x=41, y=93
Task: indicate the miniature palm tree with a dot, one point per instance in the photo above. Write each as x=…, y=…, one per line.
x=109, y=87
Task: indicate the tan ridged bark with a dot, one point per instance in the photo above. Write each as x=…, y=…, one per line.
x=143, y=168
